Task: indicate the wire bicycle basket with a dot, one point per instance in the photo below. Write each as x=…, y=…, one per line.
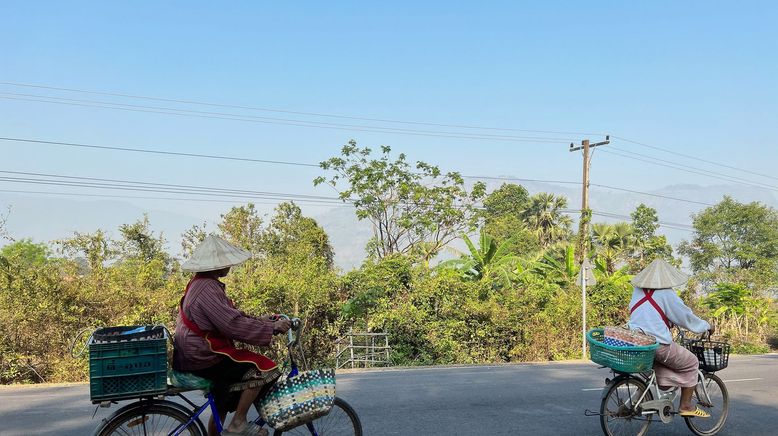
x=713, y=355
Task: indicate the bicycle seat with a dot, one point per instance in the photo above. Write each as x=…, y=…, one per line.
x=186, y=381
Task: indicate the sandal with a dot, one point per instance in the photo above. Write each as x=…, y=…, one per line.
x=696, y=413
x=250, y=429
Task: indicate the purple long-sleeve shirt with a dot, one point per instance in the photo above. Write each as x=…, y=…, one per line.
x=208, y=307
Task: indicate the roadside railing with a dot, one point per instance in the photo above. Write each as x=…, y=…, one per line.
x=362, y=350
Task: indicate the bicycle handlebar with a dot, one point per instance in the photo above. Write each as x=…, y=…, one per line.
x=296, y=324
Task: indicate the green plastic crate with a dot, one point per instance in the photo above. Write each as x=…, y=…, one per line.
x=621, y=359
x=124, y=366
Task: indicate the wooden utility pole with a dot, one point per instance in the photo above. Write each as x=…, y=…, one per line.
x=586, y=213
x=583, y=230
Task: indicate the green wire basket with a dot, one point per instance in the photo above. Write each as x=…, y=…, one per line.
x=622, y=359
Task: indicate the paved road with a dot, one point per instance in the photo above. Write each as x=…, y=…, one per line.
x=544, y=399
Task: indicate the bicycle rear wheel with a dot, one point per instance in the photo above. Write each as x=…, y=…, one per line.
x=155, y=418
x=718, y=407
x=618, y=414
x=341, y=421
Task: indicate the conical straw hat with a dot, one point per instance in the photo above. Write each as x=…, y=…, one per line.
x=659, y=275
x=215, y=253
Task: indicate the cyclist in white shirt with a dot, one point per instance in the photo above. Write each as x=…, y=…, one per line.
x=654, y=308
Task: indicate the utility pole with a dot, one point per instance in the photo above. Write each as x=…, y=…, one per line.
x=583, y=231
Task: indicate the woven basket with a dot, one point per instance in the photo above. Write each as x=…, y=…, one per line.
x=622, y=359
x=300, y=399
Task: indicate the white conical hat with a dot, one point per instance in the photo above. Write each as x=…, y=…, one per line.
x=215, y=253
x=659, y=275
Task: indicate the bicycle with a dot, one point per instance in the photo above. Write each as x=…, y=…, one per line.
x=158, y=416
x=630, y=401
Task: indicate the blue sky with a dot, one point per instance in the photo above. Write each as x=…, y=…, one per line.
x=698, y=77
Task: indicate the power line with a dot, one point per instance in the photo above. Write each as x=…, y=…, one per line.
x=283, y=121
x=161, y=152
x=263, y=109
x=236, y=158
x=174, y=189
x=698, y=170
x=266, y=120
x=204, y=200
x=246, y=159
x=517, y=179
x=166, y=185
x=652, y=195
x=676, y=226
x=696, y=158
x=143, y=186
x=683, y=168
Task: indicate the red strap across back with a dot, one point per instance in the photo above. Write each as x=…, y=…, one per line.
x=221, y=345
x=649, y=297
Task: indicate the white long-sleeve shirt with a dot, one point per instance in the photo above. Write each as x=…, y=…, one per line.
x=647, y=318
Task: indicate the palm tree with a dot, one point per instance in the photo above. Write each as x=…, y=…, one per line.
x=613, y=243
x=545, y=216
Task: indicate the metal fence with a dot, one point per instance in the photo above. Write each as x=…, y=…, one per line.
x=362, y=350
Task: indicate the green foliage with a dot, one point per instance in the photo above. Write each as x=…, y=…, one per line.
x=737, y=241
x=414, y=210
x=512, y=296
x=545, y=216
x=26, y=253
x=488, y=261
x=508, y=200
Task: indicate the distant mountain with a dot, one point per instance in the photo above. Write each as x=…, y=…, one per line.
x=47, y=218
x=44, y=219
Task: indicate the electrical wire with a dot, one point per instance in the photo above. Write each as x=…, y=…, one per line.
x=266, y=120
x=204, y=200
x=264, y=109
x=690, y=169
x=694, y=157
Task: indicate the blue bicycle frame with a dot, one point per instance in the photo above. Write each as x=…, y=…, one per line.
x=211, y=403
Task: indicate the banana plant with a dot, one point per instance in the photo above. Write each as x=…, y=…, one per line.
x=485, y=261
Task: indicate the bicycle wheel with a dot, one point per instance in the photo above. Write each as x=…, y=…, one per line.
x=157, y=418
x=618, y=415
x=718, y=407
x=341, y=421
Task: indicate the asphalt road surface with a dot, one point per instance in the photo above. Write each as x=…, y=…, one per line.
x=527, y=399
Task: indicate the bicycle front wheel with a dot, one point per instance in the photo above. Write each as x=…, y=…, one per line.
x=157, y=418
x=718, y=407
x=341, y=421
x=619, y=415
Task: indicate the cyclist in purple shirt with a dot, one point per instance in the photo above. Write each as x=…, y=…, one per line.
x=207, y=326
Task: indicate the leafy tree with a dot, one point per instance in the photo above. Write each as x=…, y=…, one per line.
x=737, y=241
x=289, y=230
x=545, y=215
x=507, y=200
x=191, y=237
x=94, y=247
x=3, y=230
x=413, y=210
x=26, y=252
x=242, y=226
x=504, y=211
x=647, y=244
x=139, y=242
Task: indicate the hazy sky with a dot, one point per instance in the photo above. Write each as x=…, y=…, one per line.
x=698, y=77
